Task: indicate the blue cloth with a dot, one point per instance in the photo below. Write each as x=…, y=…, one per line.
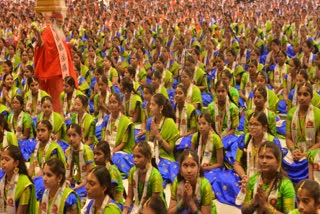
x=39, y=185
x=242, y=103
x=123, y=161
x=81, y=192
x=34, y=121
x=228, y=141
x=183, y=143
x=139, y=139
x=27, y=147
x=64, y=145
x=168, y=170
x=281, y=129
x=91, y=106
x=99, y=128
x=91, y=203
x=290, y=51
x=1, y=174
x=206, y=98
x=171, y=96
x=225, y=184
x=241, y=123
x=297, y=171
x=231, y=153
x=282, y=107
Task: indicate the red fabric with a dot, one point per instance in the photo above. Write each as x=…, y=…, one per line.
x=54, y=87
x=48, y=69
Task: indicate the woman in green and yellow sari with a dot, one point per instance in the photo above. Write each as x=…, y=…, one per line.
x=269, y=190
x=16, y=188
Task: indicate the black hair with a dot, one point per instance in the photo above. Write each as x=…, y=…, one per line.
x=167, y=110
x=3, y=122
x=131, y=71
x=84, y=100
x=16, y=154
x=104, y=178
x=312, y=187
x=30, y=68
x=144, y=149
x=57, y=167
x=45, y=98
x=47, y=124
x=157, y=205
x=262, y=91
x=127, y=85
x=104, y=79
x=308, y=86
x=76, y=127
x=105, y=148
x=32, y=79
x=150, y=88
x=304, y=74
x=9, y=63
x=20, y=99
x=70, y=81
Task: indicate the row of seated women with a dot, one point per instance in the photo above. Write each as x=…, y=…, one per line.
x=179, y=127
x=267, y=191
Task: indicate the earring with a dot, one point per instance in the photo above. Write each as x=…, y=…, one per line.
x=16, y=170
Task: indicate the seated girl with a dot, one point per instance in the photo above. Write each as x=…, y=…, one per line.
x=144, y=180
x=191, y=192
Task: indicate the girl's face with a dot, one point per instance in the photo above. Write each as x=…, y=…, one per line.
x=222, y=93
x=68, y=89
x=146, y=94
x=43, y=133
x=106, y=63
x=304, y=96
x=115, y=52
x=261, y=81
x=292, y=66
x=267, y=161
x=306, y=203
x=27, y=73
x=102, y=86
x=189, y=169
x=140, y=160
x=155, y=81
x=16, y=105
x=114, y=104
x=34, y=87
x=256, y=128
x=253, y=55
x=74, y=138
x=9, y=81
x=258, y=99
x=24, y=56
x=155, y=109
x=46, y=107
x=7, y=162
x=225, y=78
x=5, y=68
x=134, y=60
x=219, y=63
x=281, y=58
x=230, y=57
x=78, y=106
x=94, y=188
x=300, y=80
x=203, y=125
x=127, y=74
x=252, y=69
x=91, y=52
x=99, y=157
x=76, y=59
x=30, y=54
x=179, y=95
x=50, y=179
x=305, y=48
x=185, y=79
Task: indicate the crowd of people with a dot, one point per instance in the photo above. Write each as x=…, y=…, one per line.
x=214, y=99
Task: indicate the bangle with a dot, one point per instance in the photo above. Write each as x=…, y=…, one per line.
x=126, y=207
